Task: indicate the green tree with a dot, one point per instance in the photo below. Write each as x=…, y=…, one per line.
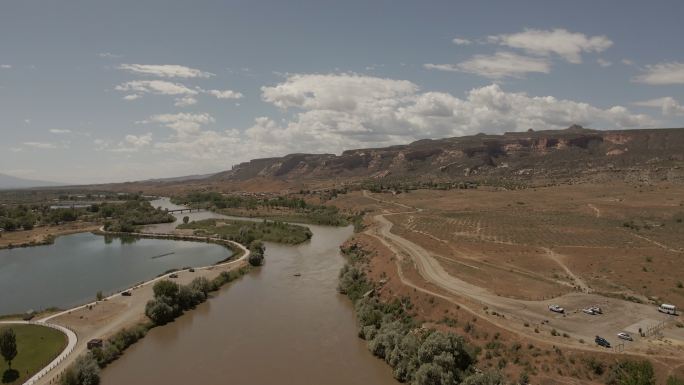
x=159, y=311
x=84, y=371
x=186, y=219
x=8, y=345
x=166, y=288
x=486, y=378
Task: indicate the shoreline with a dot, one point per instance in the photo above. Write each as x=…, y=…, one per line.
x=114, y=318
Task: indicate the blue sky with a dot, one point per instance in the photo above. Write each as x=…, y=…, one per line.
x=96, y=91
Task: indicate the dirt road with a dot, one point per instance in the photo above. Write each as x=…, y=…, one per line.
x=618, y=315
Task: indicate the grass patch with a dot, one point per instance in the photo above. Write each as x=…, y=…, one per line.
x=247, y=231
x=36, y=347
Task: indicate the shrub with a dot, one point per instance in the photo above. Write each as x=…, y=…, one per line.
x=84, y=371
x=632, y=373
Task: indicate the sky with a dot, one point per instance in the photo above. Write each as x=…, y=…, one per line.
x=104, y=91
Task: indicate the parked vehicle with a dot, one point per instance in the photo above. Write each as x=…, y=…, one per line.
x=556, y=309
x=625, y=336
x=174, y=275
x=126, y=293
x=602, y=342
x=668, y=309
x=590, y=311
x=191, y=270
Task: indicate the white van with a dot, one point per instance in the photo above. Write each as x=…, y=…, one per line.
x=668, y=309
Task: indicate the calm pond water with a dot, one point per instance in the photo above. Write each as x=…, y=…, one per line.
x=269, y=327
x=75, y=267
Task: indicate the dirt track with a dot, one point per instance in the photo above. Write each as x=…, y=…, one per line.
x=619, y=315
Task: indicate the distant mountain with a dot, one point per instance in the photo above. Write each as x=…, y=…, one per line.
x=512, y=159
x=8, y=182
x=181, y=178
x=573, y=154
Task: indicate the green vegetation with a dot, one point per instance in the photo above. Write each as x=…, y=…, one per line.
x=247, y=231
x=417, y=356
x=118, y=215
x=35, y=347
x=632, y=373
x=8, y=346
x=171, y=300
x=280, y=207
x=84, y=371
x=116, y=344
x=256, y=253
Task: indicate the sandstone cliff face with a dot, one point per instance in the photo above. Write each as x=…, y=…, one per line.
x=516, y=155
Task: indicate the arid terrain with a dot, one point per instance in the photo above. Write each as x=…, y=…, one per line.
x=505, y=256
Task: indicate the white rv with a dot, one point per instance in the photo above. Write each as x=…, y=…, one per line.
x=668, y=309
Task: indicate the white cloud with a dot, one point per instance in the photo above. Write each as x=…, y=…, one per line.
x=132, y=97
x=668, y=105
x=40, y=145
x=461, y=41
x=185, y=101
x=109, y=55
x=165, y=70
x=568, y=45
x=5, y=66
x=158, y=87
x=497, y=66
x=60, y=131
x=183, y=123
x=627, y=62
x=662, y=73
x=603, y=62
x=333, y=112
x=225, y=94
x=348, y=111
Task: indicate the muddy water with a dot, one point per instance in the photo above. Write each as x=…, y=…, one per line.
x=270, y=327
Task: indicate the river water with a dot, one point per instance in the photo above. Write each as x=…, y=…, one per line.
x=270, y=327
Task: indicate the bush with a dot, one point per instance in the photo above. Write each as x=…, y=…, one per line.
x=256, y=256
x=84, y=371
x=632, y=373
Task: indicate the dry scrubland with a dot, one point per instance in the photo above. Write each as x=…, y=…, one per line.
x=617, y=246
x=535, y=243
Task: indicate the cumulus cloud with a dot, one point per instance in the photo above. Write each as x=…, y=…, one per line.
x=375, y=111
x=566, y=44
x=185, y=101
x=158, y=87
x=662, y=73
x=132, y=97
x=668, y=105
x=225, y=94
x=497, y=66
x=461, y=41
x=5, y=66
x=165, y=70
x=139, y=140
x=333, y=112
x=183, y=123
x=60, y=131
x=109, y=55
x=603, y=62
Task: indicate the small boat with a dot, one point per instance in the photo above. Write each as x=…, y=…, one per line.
x=297, y=274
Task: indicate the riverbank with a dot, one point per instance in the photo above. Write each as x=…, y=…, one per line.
x=102, y=319
x=43, y=235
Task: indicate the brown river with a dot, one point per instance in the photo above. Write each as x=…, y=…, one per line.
x=270, y=327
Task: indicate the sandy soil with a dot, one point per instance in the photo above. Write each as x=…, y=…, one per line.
x=41, y=235
x=517, y=281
